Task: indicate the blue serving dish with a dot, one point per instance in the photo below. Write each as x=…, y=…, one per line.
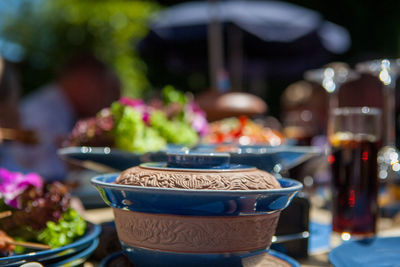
x=50, y=255
x=119, y=259
x=76, y=259
x=271, y=159
x=267, y=158
x=147, y=216
x=105, y=159
x=376, y=252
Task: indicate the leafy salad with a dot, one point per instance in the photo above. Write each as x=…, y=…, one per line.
x=133, y=125
x=40, y=212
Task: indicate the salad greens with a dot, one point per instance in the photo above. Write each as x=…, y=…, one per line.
x=133, y=125
x=131, y=132
x=174, y=131
x=171, y=95
x=65, y=231
x=176, y=101
x=41, y=212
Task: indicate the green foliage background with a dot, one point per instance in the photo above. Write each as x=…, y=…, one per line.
x=52, y=31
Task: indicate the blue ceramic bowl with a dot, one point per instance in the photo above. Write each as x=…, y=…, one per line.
x=189, y=217
x=51, y=255
x=270, y=159
x=118, y=256
x=77, y=259
x=105, y=159
x=267, y=158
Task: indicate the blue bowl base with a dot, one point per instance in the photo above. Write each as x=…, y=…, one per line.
x=146, y=257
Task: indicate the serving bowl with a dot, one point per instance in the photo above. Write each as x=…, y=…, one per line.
x=48, y=256
x=194, y=225
x=268, y=158
x=274, y=258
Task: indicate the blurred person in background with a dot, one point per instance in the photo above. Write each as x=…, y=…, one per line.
x=84, y=86
x=9, y=115
x=304, y=112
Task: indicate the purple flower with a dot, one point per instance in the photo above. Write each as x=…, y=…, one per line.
x=12, y=184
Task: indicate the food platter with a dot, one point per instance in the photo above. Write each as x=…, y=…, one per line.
x=106, y=159
x=77, y=259
x=83, y=244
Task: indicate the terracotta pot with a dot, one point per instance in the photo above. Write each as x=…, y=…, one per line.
x=195, y=209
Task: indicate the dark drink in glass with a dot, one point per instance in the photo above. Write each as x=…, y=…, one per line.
x=355, y=143
x=355, y=186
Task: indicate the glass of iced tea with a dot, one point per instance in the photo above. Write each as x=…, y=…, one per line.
x=355, y=140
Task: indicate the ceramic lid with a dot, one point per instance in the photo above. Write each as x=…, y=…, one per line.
x=198, y=170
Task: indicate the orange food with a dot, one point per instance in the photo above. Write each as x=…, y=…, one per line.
x=242, y=131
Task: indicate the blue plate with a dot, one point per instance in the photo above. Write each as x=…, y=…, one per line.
x=124, y=262
x=284, y=257
x=372, y=252
x=105, y=159
x=78, y=258
x=267, y=158
x=271, y=159
x=82, y=243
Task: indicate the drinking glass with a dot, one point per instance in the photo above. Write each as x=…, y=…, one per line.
x=355, y=140
x=387, y=71
x=332, y=77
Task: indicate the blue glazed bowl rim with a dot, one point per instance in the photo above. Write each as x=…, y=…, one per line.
x=93, y=231
x=264, y=149
x=96, y=181
x=243, y=150
x=225, y=168
x=84, y=254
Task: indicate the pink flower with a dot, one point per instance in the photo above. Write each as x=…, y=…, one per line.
x=12, y=184
x=126, y=101
x=200, y=124
x=140, y=106
x=146, y=117
x=197, y=118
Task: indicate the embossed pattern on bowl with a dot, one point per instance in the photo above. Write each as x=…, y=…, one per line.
x=177, y=226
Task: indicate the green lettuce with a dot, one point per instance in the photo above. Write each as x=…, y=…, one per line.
x=131, y=133
x=174, y=131
x=70, y=226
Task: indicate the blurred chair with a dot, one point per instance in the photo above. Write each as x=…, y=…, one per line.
x=304, y=111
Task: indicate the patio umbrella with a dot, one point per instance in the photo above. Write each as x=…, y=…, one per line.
x=274, y=38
